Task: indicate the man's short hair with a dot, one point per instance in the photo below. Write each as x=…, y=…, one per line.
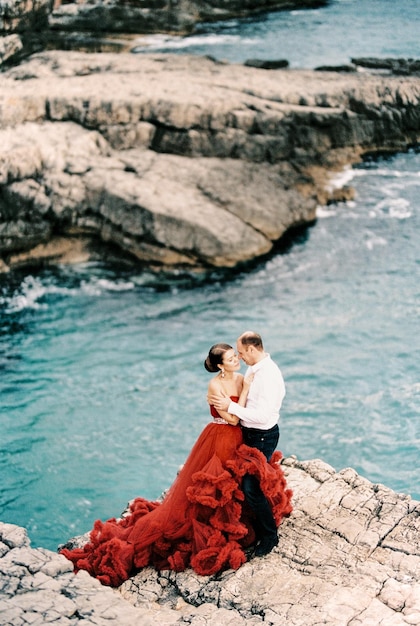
x=250, y=338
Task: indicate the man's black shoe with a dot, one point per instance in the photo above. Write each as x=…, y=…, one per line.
x=266, y=545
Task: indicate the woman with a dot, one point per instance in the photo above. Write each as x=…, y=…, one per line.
x=203, y=521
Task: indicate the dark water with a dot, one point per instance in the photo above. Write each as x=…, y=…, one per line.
x=102, y=387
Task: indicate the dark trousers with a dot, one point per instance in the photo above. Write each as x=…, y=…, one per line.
x=265, y=441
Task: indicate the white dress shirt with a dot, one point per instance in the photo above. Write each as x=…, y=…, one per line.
x=265, y=396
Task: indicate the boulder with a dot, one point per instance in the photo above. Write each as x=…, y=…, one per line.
x=10, y=47
x=399, y=66
x=267, y=64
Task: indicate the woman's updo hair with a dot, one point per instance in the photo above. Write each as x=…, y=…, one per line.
x=215, y=356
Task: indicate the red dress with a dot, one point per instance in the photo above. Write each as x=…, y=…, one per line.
x=203, y=521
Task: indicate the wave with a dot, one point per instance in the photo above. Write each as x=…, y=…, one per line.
x=341, y=178
x=164, y=42
x=396, y=208
x=372, y=241
x=33, y=292
x=387, y=173
x=325, y=212
x=98, y=286
x=345, y=176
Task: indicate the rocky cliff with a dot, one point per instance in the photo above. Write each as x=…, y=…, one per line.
x=106, y=25
x=179, y=161
x=349, y=554
x=151, y=16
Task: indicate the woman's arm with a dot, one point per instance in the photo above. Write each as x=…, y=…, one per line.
x=228, y=417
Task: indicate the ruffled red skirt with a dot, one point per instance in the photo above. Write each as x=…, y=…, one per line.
x=203, y=521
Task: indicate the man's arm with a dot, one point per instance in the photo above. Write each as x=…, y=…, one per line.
x=220, y=402
x=267, y=397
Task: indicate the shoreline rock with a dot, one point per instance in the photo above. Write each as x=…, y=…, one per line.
x=180, y=162
x=398, y=66
x=349, y=553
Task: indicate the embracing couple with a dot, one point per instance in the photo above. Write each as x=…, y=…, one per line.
x=258, y=413
x=228, y=498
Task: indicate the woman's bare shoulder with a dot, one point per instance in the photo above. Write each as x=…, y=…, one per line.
x=214, y=385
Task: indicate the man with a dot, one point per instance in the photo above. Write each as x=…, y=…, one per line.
x=260, y=429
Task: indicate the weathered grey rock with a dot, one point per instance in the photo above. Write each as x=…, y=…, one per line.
x=21, y=26
x=114, y=16
x=348, y=554
x=151, y=16
x=10, y=46
x=21, y=15
x=267, y=64
x=179, y=161
x=38, y=587
x=348, y=68
x=400, y=66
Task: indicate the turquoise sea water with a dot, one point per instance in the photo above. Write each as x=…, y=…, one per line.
x=102, y=386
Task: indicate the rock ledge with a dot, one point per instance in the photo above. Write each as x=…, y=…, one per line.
x=348, y=555
x=178, y=161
